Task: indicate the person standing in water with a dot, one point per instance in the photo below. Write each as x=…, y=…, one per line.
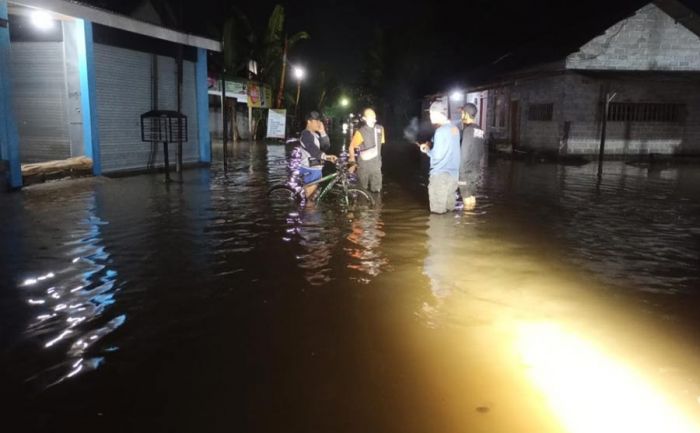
x=369, y=140
x=471, y=156
x=444, y=160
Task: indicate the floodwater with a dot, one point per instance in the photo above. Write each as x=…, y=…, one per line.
x=561, y=304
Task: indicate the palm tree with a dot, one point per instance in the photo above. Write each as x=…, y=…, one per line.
x=269, y=50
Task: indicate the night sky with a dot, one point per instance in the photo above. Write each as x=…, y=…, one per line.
x=428, y=46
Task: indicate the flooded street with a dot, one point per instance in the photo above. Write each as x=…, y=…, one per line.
x=561, y=304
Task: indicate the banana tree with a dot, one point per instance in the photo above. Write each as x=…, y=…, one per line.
x=274, y=49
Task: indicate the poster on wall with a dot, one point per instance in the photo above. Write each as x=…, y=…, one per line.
x=259, y=96
x=276, y=123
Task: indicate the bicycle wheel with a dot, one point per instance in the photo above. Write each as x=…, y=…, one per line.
x=359, y=198
x=283, y=195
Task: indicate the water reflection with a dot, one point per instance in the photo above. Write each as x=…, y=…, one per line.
x=450, y=260
x=364, y=251
x=69, y=302
x=317, y=233
x=505, y=319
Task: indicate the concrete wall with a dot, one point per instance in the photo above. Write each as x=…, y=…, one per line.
x=577, y=116
x=538, y=135
x=480, y=99
x=584, y=110
x=649, y=40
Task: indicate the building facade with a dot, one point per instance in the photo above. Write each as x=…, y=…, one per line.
x=76, y=79
x=647, y=66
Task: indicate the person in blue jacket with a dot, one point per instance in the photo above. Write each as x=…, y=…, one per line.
x=444, y=153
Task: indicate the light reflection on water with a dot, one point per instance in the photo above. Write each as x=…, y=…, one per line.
x=596, y=364
x=282, y=319
x=68, y=304
x=365, y=249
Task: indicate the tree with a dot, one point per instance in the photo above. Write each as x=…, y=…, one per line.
x=241, y=44
x=238, y=41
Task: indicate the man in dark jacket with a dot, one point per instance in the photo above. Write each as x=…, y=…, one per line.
x=312, y=140
x=472, y=155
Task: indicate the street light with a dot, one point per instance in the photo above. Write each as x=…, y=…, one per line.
x=457, y=96
x=42, y=20
x=344, y=102
x=299, y=74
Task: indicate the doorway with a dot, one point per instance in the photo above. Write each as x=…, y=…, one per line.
x=515, y=123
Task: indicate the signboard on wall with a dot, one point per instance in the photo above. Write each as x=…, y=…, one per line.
x=234, y=89
x=276, y=123
x=259, y=95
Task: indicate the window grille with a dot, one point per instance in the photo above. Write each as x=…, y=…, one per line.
x=645, y=112
x=540, y=112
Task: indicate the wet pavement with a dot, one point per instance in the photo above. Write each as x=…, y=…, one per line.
x=563, y=303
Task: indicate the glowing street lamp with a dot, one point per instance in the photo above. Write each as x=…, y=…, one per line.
x=457, y=96
x=299, y=74
x=344, y=102
x=42, y=20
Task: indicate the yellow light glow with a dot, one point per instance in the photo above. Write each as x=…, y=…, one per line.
x=591, y=392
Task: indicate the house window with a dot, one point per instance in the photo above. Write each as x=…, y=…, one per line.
x=540, y=112
x=645, y=112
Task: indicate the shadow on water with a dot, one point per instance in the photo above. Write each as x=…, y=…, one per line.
x=129, y=305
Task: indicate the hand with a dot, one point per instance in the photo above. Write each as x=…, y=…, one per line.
x=331, y=158
x=352, y=166
x=321, y=127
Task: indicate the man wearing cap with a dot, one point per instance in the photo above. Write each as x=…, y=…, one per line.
x=369, y=140
x=472, y=156
x=313, y=138
x=444, y=160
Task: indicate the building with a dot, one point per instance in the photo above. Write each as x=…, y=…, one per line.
x=647, y=66
x=74, y=80
x=242, y=96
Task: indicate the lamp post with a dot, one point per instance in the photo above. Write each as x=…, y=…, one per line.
x=299, y=74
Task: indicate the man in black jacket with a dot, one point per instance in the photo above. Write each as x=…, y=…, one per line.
x=312, y=140
x=472, y=155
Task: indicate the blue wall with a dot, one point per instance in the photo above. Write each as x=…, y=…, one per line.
x=203, y=106
x=9, y=139
x=88, y=98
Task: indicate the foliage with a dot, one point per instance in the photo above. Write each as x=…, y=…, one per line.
x=241, y=43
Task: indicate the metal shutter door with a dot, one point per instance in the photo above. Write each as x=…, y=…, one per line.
x=123, y=81
x=39, y=100
x=167, y=100
x=124, y=93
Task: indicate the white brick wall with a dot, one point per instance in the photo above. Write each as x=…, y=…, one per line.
x=577, y=99
x=584, y=102
x=540, y=135
x=648, y=40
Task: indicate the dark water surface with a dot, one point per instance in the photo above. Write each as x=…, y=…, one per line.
x=561, y=304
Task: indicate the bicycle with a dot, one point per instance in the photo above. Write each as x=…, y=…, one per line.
x=337, y=184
